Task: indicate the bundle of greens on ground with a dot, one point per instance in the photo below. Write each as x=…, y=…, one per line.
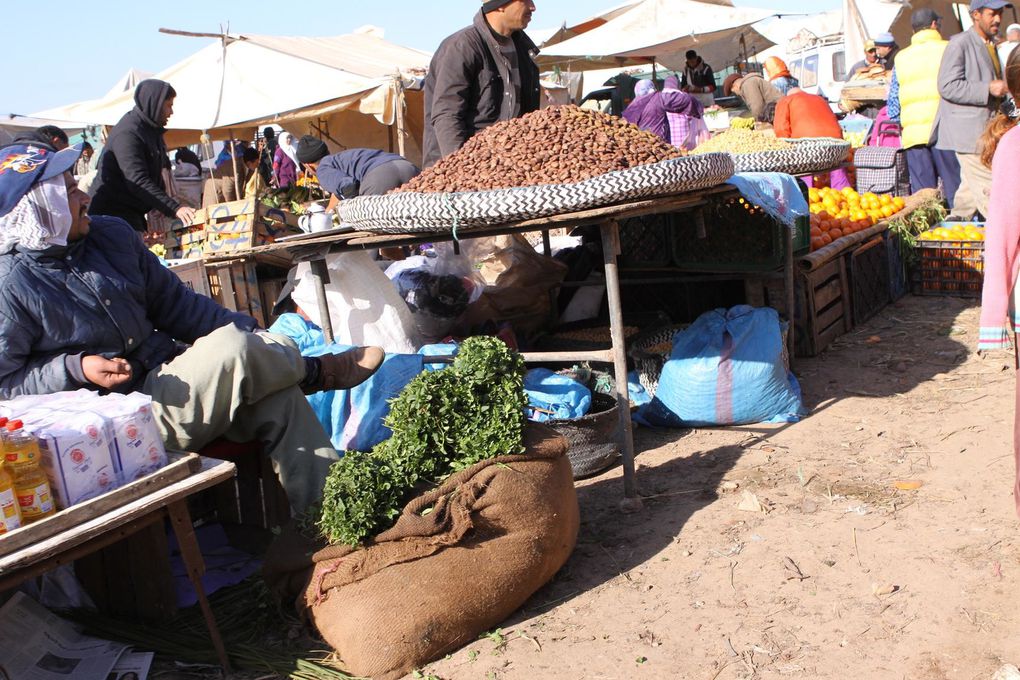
x=442, y=422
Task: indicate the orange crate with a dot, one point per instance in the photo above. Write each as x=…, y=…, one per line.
x=952, y=267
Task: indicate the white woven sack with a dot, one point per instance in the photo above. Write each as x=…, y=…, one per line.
x=438, y=212
x=810, y=154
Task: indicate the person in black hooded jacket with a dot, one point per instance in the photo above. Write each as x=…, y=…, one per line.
x=130, y=180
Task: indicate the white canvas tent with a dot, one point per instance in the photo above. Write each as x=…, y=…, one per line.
x=662, y=30
x=240, y=82
x=11, y=124
x=127, y=82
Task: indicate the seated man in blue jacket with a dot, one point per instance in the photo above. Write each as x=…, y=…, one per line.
x=83, y=303
x=355, y=172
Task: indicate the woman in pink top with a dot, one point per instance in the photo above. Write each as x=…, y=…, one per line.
x=999, y=320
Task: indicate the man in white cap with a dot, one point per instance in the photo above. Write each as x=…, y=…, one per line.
x=972, y=88
x=480, y=75
x=1007, y=45
x=887, y=49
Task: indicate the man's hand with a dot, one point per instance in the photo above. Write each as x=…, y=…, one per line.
x=998, y=88
x=186, y=215
x=107, y=373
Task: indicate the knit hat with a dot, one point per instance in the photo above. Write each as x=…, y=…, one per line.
x=311, y=149
x=492, y=5
x=885, y=39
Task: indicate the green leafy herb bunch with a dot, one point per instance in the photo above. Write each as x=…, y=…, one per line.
x=442, y=422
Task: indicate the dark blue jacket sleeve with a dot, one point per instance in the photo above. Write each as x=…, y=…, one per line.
x=177, y=310
x=21, y=372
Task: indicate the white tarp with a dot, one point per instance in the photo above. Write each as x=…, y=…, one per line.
x=663, y=30
x=865, y=19
x=127, y=82
x=11, y=124
x=243, y=80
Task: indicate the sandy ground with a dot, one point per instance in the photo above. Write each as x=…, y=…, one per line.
x=840, y=573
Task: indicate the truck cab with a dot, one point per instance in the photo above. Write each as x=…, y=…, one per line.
x=820, y=65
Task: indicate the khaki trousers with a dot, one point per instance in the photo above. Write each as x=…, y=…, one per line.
x=243, y=386
x=975, y=186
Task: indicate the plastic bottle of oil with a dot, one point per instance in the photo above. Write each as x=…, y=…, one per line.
x=21, y=456
x=10, y=513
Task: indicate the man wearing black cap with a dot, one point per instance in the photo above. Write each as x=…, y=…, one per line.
x=354, y=172
x=699, y=80
x=914, y=101
x=972, y=88
x=480, y=75
x=130, y=179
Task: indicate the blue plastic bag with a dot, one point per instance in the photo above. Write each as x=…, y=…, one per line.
x=555, y=397
x=726, y=369
x=353, y=419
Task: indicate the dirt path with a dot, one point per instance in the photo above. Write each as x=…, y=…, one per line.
x=841, y=574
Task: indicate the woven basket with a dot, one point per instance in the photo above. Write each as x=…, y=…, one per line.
x=592, y=438
x=807, y=155
x=442, y=212
x=650, y=351
x=650, y=354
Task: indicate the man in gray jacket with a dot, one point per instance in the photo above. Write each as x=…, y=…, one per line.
x=480, y=75
x=971, y=85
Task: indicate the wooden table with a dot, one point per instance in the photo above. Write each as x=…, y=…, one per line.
x=116, y=524
x=313, y=249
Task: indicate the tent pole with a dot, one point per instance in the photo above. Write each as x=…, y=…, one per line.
x=401, y=129
x=233, y=162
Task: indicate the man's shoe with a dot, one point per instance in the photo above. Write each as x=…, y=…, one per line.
x=353, y=367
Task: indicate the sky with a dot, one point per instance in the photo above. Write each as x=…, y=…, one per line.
x=78, y=53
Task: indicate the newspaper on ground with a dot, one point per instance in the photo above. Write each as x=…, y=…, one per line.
x=38, y=645
x=132, y=666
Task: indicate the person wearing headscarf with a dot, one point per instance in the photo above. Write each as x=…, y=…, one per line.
x=649, y=108
x=85, y=305
x=685, y=130
x=285, y=161
x=130, y=179
x=779, y=75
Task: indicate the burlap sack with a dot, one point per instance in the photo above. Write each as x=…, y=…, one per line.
x=495, y=534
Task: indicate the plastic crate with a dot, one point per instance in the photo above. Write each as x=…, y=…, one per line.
x=898, y=281
x=952, y=267
x=739, y=237
x=869, y=279
x=644, y=240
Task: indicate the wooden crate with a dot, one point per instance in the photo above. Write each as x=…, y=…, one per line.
x=241, y=225
x=269, y=291
x=827, y=306
x=181, y=465
x=185, y=243
x=822, y=300
x=234, y=284
x=193, y=274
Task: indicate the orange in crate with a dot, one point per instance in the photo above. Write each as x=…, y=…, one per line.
x=952, y=259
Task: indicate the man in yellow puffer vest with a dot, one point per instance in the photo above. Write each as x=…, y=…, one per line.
x=914, y=101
